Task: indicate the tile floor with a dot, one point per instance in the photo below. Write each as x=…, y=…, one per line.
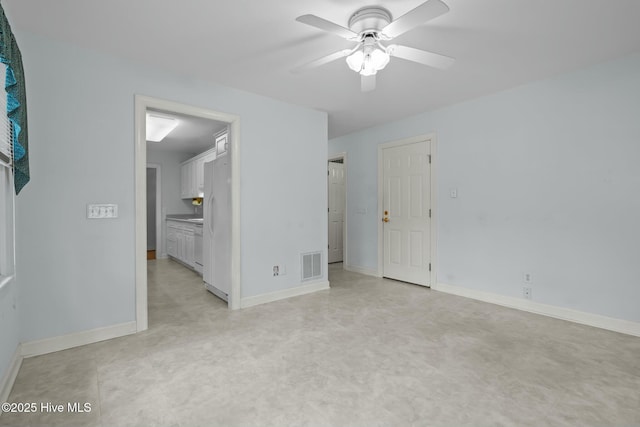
x=369, y=352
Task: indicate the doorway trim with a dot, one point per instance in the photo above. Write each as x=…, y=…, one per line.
x=141, y=104
x=345, y=252
x=431, y=138
x=159, y=241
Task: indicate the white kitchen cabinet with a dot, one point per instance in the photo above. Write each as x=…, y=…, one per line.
x=172, y=240
x=181, y=242
x=180, y=245
x=188, y=180
x=172, y=248
x=192, y=175
x=199, y=169
x=200, y=161
x=189, y=249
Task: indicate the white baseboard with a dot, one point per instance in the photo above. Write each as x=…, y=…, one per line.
x=362, y=270
x=584, y=318
x=283, y=294
x=10, y=376
x=50, y=345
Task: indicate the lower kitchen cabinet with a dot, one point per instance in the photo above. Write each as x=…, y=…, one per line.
x=172, y=236
x=181, y=242
x=189, y=249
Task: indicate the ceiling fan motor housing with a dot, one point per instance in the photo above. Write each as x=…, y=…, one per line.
x=369, y=21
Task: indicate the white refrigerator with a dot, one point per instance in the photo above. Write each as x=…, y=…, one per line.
x=217, y=223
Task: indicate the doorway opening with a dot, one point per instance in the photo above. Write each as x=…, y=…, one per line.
x=142, y=105
x=154, y=203
x=337, y=209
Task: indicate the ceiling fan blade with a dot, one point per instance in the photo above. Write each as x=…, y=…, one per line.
x=328, y=26
x=430, y=59
x=321, y=61
x=367, y=83
x=425, y=12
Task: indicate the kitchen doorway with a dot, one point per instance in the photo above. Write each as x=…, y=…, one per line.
x=142, y=104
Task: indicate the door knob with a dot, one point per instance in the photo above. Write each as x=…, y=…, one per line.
x=385, y=219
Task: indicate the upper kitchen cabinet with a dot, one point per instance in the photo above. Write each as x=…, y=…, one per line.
x=208, y=156
x=188, y=179
x=192, y=175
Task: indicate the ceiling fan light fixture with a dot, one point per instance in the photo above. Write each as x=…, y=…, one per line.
x=369, y=26
x=368, y=60
x=355, y=60
x=378, y=59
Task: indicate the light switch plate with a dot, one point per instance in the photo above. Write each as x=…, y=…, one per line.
x=102, y=211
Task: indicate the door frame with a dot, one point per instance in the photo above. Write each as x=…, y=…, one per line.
x=341, y=156
x=159, y=241
x=141, y=104
x=431, y=138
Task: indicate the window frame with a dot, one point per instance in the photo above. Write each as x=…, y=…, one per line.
x=7, y=200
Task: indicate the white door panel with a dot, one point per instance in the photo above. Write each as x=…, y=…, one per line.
x=406, y=204
x=336, y=211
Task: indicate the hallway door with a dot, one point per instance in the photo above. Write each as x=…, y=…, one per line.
x=336, y=211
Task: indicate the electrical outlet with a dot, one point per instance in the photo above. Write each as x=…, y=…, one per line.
x=527, y=278
x=279, y=270
x=526, y=292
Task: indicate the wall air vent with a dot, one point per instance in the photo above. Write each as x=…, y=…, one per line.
x=311, y=266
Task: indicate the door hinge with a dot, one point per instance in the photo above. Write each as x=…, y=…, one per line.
x=429, y=266
x=429, y=158
x=429, y=213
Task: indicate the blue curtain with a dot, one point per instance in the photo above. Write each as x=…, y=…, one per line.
x=16, y=102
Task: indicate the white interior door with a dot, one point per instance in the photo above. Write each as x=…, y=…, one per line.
x=336, y=211
x=406, y=214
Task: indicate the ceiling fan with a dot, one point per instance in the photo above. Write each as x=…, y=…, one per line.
x=369, y=27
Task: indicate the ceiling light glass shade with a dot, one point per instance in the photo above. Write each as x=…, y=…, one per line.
x=369, y=63
x=355, y=60
x=158, y=127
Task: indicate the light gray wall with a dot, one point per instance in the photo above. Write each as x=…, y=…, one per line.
x=548, y=182
x=77, y=274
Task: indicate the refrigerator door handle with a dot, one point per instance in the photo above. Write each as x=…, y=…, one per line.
x=210, y=222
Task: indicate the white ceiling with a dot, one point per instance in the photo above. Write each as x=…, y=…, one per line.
x=193, y=135
x=252, y=45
